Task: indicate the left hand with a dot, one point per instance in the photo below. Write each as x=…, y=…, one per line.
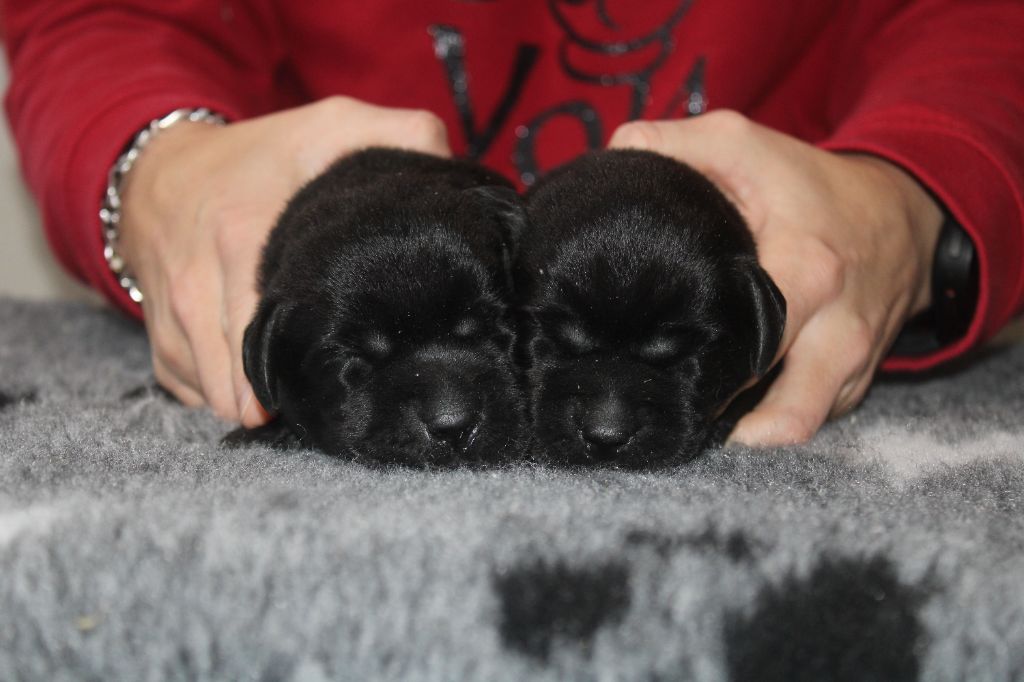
x=848, y=238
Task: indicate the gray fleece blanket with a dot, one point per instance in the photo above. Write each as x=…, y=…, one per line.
x=134, y=547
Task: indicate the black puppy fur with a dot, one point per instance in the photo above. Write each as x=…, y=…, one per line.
x=383, y=331
x=644, y=309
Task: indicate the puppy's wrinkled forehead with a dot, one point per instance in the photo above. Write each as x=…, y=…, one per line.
x=634, y=278
x=418, y=286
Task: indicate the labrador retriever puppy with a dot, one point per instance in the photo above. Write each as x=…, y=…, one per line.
x=384, y=331
x=644, y=310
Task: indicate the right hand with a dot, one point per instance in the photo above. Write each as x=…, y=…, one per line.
x=196, y=211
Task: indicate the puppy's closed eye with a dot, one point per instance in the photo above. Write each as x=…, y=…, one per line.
x=377, y=345
x=575, y=339
x=673, y=343
x=660, y=348
x=467, y=327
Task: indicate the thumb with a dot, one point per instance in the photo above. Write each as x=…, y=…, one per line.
x=720, y=144
x=323, y=131
x=357, y=124
x=704, y=141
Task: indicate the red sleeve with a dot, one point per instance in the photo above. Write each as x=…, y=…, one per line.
x=939, y=90
x=87, y=74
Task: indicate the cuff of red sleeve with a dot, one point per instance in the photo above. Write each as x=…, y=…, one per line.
x=99, y=142
x=976, y=188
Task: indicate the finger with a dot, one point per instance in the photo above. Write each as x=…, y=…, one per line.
x=807, y=272
x=323, y=130
x=238, y=313
x=239, y=266
x=174, y=385
x=213, y=363
x=852, y=394
x=416, y=129
x=802, y=396
x=687, y=139
x=717, y=144
x=198, y=313
x=169, y=347
x=856, y=388
x=339, y=125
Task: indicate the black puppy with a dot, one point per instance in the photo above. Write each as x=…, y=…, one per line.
x=383, y=330
x=645, y=309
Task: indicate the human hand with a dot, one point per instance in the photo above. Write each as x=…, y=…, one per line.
x=848, y=239
x=196, y=211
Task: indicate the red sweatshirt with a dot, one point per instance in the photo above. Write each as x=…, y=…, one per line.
x=936, y=86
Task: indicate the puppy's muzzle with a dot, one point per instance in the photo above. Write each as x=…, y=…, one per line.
x=451, y=419
x=607, y=426
x=448, y=400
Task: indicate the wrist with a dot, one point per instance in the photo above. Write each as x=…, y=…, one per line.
x=121, y=175
x=919, y=214
x=160, y=153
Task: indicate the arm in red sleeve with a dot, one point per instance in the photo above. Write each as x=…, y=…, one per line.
x=86, y=75
x=939, y=90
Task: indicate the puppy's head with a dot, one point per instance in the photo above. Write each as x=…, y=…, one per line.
x=645, y=308
x=388, y=337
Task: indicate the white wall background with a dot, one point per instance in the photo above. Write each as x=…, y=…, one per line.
x=27, y=270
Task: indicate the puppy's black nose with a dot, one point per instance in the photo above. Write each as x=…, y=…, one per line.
x=453, y=425
x=608, y=435
x=608, y=425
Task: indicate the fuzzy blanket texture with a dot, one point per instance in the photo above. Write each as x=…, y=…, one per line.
x=134, y=547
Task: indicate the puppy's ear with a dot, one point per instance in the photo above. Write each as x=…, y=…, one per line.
x=769, y=314
x=258, y=353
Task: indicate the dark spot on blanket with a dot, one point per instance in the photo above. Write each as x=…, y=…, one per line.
x=850, y=619
x=10, y=399
x=148, y=391
x=546, y=603
x=278, y=667
x=287, y=500
x=736, y=545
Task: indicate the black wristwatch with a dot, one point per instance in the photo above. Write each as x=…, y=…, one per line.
x=954, y=294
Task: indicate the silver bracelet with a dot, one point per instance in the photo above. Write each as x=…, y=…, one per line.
x=110, y=212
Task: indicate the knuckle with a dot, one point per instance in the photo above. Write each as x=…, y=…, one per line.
x=637, y=135
x=727, y=122
x=424, y=126
x=335, y=105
